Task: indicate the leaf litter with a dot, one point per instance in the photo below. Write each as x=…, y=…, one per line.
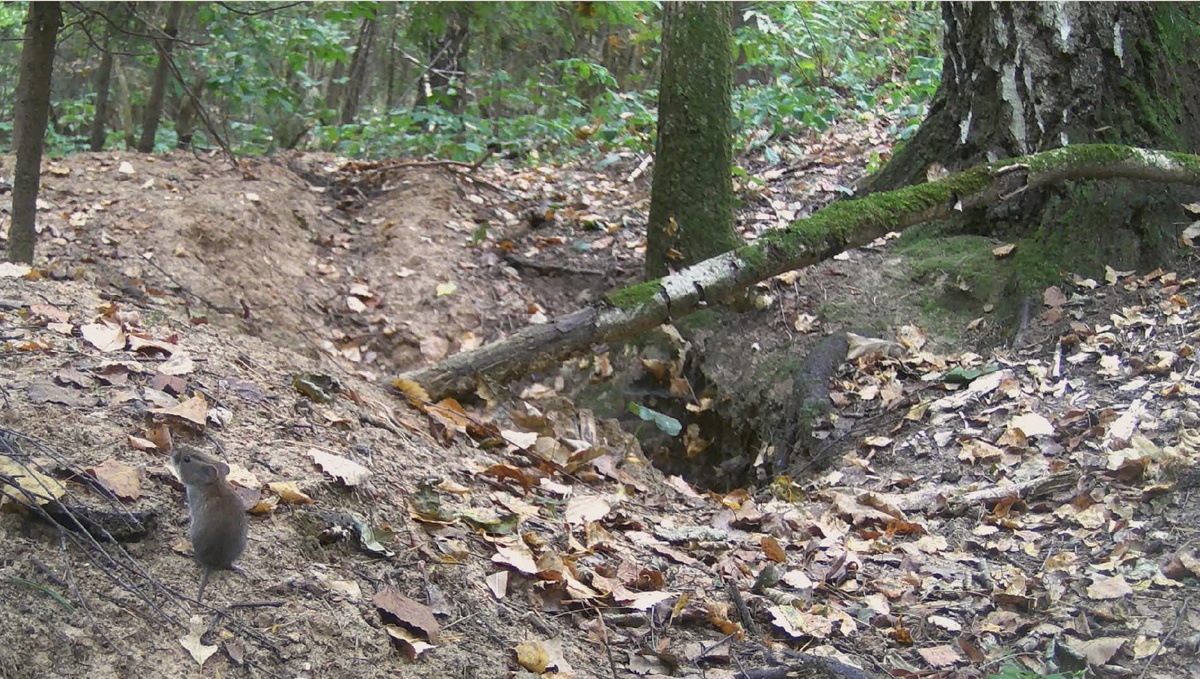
x=1023, y=502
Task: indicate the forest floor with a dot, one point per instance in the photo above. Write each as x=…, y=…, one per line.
x=1031, y=505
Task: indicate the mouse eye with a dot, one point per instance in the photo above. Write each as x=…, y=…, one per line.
x=187, y=458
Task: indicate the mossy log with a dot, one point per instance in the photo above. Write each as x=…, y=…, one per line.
x=804, y=242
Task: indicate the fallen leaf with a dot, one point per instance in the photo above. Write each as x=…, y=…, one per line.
x=1032, y=424
x=409, y=643
x=497, y=584
x=194, y=410
x=517, y=555
x=1097, y=651
x=191, y=641
x=178, y=364
x=289, y=492
x=347, y=471
x=798, y=623
x=396, y=609
x=532, y=656
x=104, y=336
x=586, y=508
x=11, y=270
x=1113, y=587
x=42, y=488
x=940, y=656
x=120, y=479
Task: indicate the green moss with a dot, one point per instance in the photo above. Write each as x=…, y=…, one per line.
x=837, y=311
x=635, y=295
x=704, y=319
x=963, y=264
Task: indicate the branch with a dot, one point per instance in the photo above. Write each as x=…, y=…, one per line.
x=804, y=242
x=230, y=8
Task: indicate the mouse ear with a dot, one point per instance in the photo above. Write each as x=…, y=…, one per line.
x=207, y=474
x=223, y=468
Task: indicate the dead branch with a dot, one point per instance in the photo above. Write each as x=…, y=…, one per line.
x=955, y=498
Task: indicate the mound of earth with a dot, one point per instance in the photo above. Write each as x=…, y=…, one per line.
x=1022, y=506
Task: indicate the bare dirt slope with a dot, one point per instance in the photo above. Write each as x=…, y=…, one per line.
x=524, y=532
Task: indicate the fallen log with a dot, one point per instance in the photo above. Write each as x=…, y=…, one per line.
x=838, y=227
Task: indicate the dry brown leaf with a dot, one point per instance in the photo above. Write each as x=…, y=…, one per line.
x=29, y=479
x=772, y=549
x=104, y=335
x=533, y=656
x=582, y=509
x=396, y=609
x=50, y=312
x=1114, y=587
x=642, y=601
x=138, y=443
x=289, y=492
x=517, y=555
x=940, y=656
x=194, y=410
x=507, y=471
x=120, y=479
x=148, y=345
x=1097, y=651
x=1032, y=424
x=191, y=641
x=161, y=436
x=347, y=471
x=408, y=643
x=416, y=393
x=798, y=623
x=178, y=364
x=497, y=584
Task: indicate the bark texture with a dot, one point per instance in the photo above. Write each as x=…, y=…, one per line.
x=158, y=88
x=1020, y=78
x=99, y=131
x=691, y=204
x=29, y=124
x=359, y=69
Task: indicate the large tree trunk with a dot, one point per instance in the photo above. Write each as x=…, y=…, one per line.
x=29, y=125
x=358, y=69
x=158, y=88
x=1025, y=77
x=691, y=205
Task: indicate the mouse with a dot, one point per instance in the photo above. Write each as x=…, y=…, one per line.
x=219, y=522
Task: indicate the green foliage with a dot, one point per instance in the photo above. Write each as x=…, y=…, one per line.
x=1014, y=671
x=665, y=423
x=820, y=62
x=544, y=80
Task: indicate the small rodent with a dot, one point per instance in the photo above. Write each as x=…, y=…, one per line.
x=218, y=515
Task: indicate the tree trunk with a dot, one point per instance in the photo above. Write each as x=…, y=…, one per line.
x=333, y=91
x=805, y=242
x=691, y=204
x=189, y=112
x=103, y=79
x=29, y=124
x=1025, y=77
x=126, y=115
x=742, y=74
x=158, y=88
x=447, y=74
x=358, y=69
